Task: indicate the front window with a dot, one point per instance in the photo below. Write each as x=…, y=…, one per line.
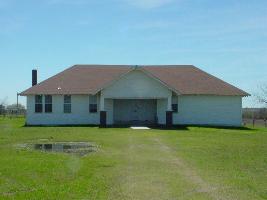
x=174, y=108
x=67, y=103
x=48, y=103
x=92, y=103
x=38, y=103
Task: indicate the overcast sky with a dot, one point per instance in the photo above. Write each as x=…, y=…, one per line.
x=226, y=38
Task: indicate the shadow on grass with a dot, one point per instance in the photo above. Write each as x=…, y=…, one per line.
x=126, y=126
x=224, y=127
x=186, y=127
x=155, y=127
x=63, y=125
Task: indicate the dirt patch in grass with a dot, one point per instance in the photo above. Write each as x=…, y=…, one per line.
x=190, y=174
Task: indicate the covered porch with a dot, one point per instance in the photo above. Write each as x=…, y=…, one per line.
x=135, y=111
x=136, y=98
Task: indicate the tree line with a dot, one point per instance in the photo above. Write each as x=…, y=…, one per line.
x=255, y=113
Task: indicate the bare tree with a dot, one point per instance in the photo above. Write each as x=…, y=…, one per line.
x=3, y=101
x=262, y=97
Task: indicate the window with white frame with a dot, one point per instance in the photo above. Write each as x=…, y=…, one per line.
x=174, y=103
x=67, y=103
x=38, y=103
x=48, y=103
x=92, y=103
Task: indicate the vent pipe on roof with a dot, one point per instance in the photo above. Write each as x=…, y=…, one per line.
x=34, y=77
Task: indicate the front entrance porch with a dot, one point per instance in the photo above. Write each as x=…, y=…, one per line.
x=135, y=112
x=137, y=98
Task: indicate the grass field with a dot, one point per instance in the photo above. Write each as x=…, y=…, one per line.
x=190, y=163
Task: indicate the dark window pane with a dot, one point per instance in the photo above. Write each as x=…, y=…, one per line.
x=67, y=98
x=48, y=99
x=175, y=107
x=38, y=108
x=48, y=108
x=93, y=108
x=38, y=99
x=67, y=108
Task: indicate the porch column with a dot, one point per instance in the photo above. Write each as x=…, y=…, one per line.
x=102, y=103
x=169, y=106
x=103, y=113
x=169, y=112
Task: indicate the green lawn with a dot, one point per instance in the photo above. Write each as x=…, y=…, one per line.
x=190, y=163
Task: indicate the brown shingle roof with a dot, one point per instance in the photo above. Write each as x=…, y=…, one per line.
x=88, y=79
x=190, y=80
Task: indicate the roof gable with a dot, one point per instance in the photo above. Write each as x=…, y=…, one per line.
x=88, y=79
x=141, y=69
x=136, y=84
